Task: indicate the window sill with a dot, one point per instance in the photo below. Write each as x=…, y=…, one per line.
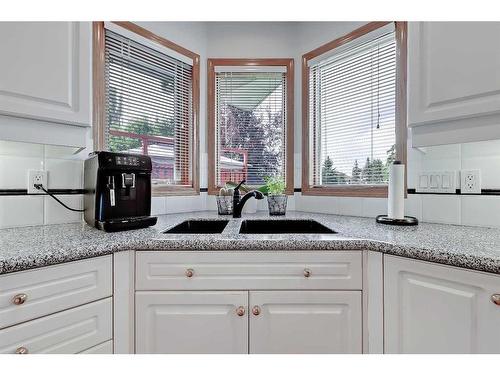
x=167, y=191
x=361, y=191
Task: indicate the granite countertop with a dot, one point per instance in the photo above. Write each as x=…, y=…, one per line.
x=468, y=247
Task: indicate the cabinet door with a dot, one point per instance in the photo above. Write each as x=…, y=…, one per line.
x=191, y=322
x=305, y=322
x=45, y=71
x=431, y=308
x=453, y=70
x=453, y=82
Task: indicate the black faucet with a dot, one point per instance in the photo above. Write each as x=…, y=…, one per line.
x=239, y=202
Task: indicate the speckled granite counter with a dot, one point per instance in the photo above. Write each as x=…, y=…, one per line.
x=469, y=247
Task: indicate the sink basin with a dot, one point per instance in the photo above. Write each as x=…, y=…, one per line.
x=199, y=227
x=283, y=226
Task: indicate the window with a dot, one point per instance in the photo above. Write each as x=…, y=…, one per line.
x=250, y=107
x=354, y=111
x=149, y=104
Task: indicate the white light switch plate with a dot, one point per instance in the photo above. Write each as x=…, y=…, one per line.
x=470, y=181
x=436, y=182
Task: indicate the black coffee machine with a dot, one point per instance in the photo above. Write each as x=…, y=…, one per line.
x=118, y=191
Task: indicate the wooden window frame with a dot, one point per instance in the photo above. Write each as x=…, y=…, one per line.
x=375, y=191
x=99, y=99
x=211, y=131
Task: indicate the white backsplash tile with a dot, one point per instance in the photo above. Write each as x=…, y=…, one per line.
x=14, y=170
x=484, y=156
x=21, y=149
x=158, y=206
x=22, y=210
x=185, y=203
x=413, y=206
x=481, y=211
x=374, y=206
x=441, y=209
x=350, y=206
x=64, y=174
x=57, y=214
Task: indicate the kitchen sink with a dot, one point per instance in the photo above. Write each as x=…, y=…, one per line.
x=198, y=227
x=283, y=226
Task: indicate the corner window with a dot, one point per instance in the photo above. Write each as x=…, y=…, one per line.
x=149, y=104
x=354, y=118
x=250, y=121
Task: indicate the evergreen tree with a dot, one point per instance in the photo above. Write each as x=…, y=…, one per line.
x=373, y=172
x=356, y=173
x=330, y=175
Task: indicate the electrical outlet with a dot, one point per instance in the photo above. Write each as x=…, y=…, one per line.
x=470, y=181
x=36, y=177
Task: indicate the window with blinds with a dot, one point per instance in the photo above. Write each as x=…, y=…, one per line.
x=149, y=107
x=250, y=125
x=352, y=124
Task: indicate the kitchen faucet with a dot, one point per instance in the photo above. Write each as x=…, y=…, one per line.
x=239, y=202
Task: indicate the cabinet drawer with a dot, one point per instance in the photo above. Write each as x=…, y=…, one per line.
x=55, y=288
x=236, y=270
x=104, y=348
x=70, y=331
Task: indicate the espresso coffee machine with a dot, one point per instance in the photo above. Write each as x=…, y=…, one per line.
x=118, y=191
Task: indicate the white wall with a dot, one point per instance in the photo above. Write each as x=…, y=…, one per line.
x=254, y=40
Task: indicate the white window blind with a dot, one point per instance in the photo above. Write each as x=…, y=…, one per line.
x=250, y=125
x=352, y=114
x=149, y=107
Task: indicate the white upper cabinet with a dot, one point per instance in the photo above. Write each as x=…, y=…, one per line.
x=45, y=71
x=453, y=82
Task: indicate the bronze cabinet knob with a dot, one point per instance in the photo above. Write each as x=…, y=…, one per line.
x=19, y=299
x=240, y=311
x=307, y=272
x=495, y=298
x=21, y=350
x=256, y=310
x=189, y=272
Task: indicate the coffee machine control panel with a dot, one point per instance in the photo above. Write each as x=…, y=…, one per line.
x=121, y=161
x=131, y=161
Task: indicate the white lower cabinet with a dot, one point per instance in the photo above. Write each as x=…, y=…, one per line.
x=248, y=302
x=431, y=308
x=66, y=332
x=104, y=348
x=191, y=322
x=305, y=322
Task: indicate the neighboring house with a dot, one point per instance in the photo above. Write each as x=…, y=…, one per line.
x=163, y=160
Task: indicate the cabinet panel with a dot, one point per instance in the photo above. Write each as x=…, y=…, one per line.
x=237, y=270
x=453, y=70
x=54, y=288
x=45, y=71
x=67, y=332
x=191, y=322
x=104, y=348
x=305, y=322
x=438, y=309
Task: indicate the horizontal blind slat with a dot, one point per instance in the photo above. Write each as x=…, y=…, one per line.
x=149, y=107
x=352, y=114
